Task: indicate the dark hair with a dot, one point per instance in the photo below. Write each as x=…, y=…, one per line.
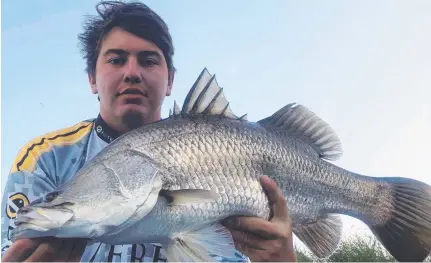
x=133, y=17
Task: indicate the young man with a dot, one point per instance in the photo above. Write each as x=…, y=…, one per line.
x=129, y=53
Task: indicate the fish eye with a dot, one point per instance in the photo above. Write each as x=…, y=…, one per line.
x=49, y=197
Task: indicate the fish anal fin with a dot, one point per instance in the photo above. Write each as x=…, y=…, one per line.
x=321, y=237
x=299, y=122
x=201, y=245
x=189, y=196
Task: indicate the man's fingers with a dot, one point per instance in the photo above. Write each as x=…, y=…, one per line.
x=20, y=250
x=255, y=225
x=276, y=199
x=247, y=239
x=247, y=250
x=259, y=255
x=78, y=250
x=46, y=251
x=52, y=249
x=64, y=251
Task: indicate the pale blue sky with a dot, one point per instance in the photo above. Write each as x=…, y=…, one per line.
x=363, y=66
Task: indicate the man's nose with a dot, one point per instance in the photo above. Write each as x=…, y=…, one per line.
x=132, y=74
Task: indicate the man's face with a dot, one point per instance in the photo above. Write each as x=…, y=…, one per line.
x=131, y=79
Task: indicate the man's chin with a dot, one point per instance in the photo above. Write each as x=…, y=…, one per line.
x=133, y=118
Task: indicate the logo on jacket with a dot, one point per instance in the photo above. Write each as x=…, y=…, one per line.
x=14, y=203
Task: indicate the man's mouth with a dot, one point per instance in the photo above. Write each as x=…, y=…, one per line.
x=132, y=92
x=133, y=96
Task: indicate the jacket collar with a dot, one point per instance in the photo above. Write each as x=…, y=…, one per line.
x=103, y=130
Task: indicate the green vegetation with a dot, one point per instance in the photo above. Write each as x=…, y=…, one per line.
x=354, y=249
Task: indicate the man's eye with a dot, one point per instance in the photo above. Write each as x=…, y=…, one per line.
x=116, y=61
x=150, y=62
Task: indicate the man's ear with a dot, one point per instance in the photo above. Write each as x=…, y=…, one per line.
x=170, y=82
x=92, y=81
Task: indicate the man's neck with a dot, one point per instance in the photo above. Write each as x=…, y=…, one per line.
x=105, y=131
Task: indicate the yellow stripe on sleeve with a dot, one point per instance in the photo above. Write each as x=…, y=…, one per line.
x=31, y=152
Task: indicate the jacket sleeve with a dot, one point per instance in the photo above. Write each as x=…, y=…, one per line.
x=22, y=187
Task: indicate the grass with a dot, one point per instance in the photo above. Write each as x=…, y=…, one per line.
x=353, y=249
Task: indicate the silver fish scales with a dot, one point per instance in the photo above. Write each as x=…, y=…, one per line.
x=172, y=181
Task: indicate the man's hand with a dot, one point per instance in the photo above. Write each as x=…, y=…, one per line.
x=263, y=240
x=45, y=249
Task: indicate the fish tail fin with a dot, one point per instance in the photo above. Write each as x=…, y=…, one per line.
x=407, y=233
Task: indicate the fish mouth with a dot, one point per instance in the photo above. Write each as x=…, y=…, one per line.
x=40, y=221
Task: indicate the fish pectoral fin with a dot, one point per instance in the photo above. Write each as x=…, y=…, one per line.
x=201, y=245
x=321, y=237
x=189, y=196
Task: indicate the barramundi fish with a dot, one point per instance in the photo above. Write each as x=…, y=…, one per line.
x=172, y=182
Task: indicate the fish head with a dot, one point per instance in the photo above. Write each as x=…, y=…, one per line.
x=107, y=196
x=42, y=215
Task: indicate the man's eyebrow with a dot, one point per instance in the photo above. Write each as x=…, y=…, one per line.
x=145, y=53
x=149, y=53
x=115, y=51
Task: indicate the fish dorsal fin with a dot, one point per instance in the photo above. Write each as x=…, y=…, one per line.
x=300, y=122
x=206, y=97
x=177, y=109
x=243, y=117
